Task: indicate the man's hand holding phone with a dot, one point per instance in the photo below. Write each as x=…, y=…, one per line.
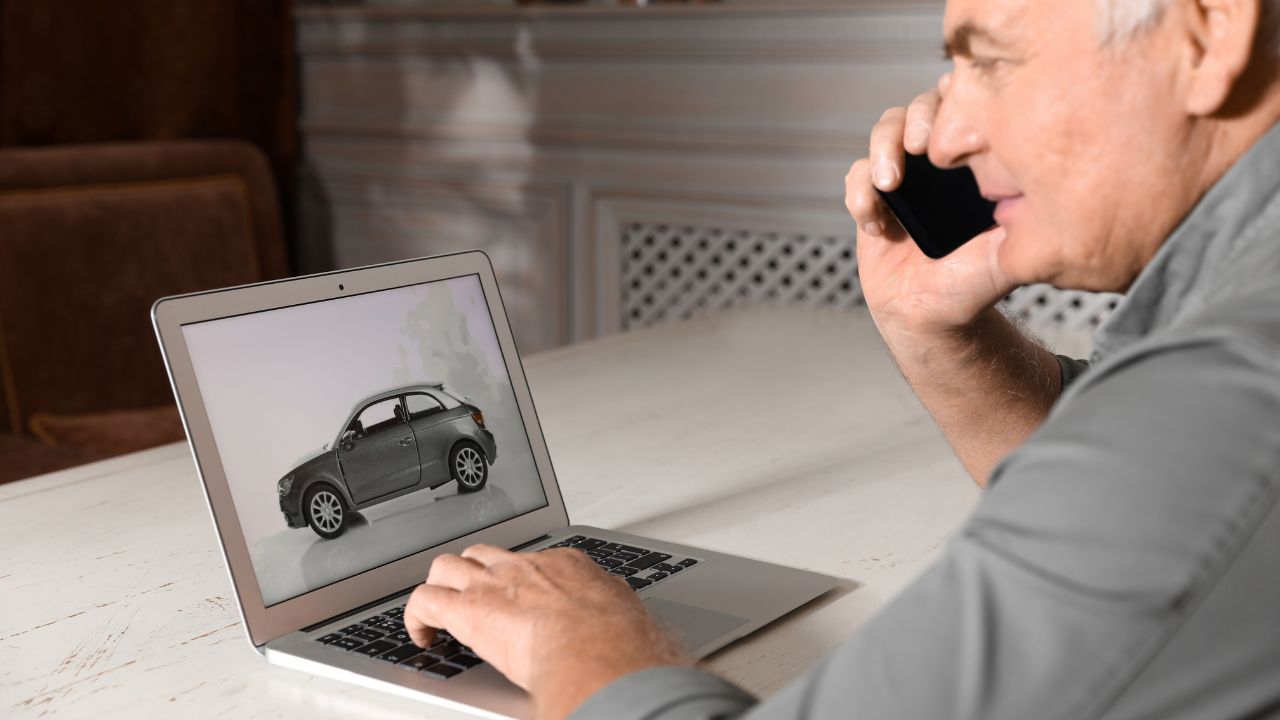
x=906, y=291
x=986, y=384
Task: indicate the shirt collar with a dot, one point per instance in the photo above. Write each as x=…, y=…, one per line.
x=1191, y=262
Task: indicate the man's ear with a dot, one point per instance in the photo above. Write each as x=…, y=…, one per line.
x=1219, y=41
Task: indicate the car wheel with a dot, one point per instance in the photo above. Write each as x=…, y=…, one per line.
x=326, y=511
x=468, y=466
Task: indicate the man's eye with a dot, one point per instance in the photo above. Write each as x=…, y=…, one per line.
x=984, y=65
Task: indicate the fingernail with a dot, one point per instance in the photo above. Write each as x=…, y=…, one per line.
x=885, y=175
x=918, y=134
x=872, y=228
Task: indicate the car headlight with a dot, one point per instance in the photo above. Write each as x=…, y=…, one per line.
x=283, y=486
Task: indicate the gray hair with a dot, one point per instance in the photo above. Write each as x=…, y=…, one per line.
x=1122, y=19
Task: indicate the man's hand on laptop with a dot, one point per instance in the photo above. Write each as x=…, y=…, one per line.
x=552, y=621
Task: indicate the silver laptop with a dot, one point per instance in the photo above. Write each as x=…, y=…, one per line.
x=349, y=427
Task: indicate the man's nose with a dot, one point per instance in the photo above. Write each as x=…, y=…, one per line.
x=957, y=133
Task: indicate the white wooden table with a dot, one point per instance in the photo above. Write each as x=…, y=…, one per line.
x=782, y=434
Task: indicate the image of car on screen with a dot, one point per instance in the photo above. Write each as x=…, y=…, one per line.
x=391, y=444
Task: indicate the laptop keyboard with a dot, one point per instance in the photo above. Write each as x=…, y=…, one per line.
x=383, y=636
x=640, y=567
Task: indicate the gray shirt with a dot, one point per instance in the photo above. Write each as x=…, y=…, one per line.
x=1124, y=562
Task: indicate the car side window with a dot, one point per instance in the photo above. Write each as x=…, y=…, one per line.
x=377, y=417
x=421, y=405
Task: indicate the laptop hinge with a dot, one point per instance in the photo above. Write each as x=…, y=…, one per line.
x=534, y=541
x=398, y=593
x=362, y=608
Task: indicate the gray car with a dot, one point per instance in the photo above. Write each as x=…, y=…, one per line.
x=391, y=444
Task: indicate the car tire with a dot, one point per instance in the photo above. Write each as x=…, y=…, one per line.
x=468, y=466
x=325, y=510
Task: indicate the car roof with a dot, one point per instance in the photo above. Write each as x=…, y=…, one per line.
x=392, y=392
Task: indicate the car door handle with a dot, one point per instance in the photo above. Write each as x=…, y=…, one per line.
x=406, y=441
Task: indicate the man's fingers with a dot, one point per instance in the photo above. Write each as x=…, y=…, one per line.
x=863, y=202
x=428, y=610
x=919, y=122
x=454, y=572
x=886, y=149
x=487, y=555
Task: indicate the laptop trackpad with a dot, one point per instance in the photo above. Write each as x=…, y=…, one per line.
x=695, y=626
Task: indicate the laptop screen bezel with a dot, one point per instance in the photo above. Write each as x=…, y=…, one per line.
x=264, y=623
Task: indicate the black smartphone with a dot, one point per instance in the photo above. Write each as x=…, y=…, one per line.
x=941, y=209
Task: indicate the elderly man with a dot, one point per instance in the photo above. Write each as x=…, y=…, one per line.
x=1124, y=561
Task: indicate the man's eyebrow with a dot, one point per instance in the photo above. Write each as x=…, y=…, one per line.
x=958, y=40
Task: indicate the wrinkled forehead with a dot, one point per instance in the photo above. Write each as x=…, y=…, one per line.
x=1009, y=24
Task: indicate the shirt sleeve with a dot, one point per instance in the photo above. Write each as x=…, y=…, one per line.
x=1094, y=546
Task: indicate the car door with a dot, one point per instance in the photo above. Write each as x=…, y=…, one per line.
x=381, y=455
x=431, y=431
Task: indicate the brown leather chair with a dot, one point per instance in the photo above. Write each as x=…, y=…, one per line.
x=90, y=236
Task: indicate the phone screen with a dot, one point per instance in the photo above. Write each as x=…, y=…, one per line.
x=940, y=209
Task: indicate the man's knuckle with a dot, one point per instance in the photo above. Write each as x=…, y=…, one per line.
x=860, y=203
x=892, y=113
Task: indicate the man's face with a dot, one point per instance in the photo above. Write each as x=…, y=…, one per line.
x=1084, y=145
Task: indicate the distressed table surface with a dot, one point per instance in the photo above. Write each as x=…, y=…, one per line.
x=782, y=434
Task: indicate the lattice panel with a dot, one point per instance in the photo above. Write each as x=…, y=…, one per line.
x=1041, y=306
x=676, y=271
x=673, y=272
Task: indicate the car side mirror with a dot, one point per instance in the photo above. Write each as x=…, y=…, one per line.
x=349, y=440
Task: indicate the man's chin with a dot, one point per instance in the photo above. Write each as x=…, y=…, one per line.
x=1025, y=261
x=1033, y=261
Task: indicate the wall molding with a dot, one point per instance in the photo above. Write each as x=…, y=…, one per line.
x=832, y=33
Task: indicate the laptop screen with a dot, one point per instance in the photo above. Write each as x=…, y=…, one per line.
x=358, y=431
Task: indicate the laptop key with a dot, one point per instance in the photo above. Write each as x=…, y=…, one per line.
x=367, y=635
x=637, y=583
x=442, y=671
x=612, y=547
x=400, y=636
x=346, y=643
x=442, y=652
x=634, y=550
x=395, y=612
x=419, y=662
x=351, y=629
x=688, y=562
x=466, y=660
x=657, y=576
x=609, y=563
x=589, y=544
x=375, y=648
x=664, y=567
x=400, y=654
x=330, y=638
x=649, y=560
x=574, y=539
x=623, y=571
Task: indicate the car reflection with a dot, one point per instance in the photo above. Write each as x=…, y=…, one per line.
x=411, y=527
